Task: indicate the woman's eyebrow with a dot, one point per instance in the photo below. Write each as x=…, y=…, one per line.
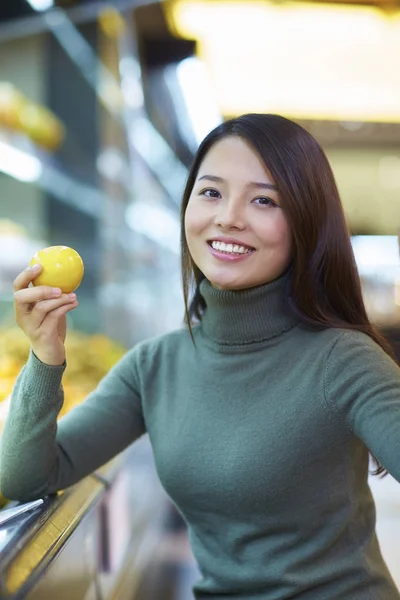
x=264, y=186
x=257, y=184
x=212, y=178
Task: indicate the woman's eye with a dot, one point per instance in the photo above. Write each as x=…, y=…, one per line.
x=264, y=201
x=210, y=193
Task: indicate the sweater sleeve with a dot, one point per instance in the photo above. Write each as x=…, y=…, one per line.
x=39, y=456
x=362, y=385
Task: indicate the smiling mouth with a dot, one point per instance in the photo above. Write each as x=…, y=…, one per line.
x=230, y=248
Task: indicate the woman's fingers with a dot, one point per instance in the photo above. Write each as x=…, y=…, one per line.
x=26, y=297
x=26, y=277
x=55, y=315
x=51, y=323
x=45, y=308
x=40, y=313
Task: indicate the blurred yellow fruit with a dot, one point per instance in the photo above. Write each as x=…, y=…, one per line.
x=12, y=103
x=111, y=22
x=62, y=267
x=41, y=126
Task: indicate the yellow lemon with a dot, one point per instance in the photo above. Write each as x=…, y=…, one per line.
x=62, y=267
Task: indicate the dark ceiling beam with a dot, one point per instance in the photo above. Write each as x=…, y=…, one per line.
x=34, y=24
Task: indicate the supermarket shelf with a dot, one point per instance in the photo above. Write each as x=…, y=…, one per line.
x=116, y=97
x=147, y=147
x=37, y=167
x=47, y=176
x=144, y=139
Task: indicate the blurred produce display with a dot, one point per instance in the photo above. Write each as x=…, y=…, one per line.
x=38, y=123
x=89, y=358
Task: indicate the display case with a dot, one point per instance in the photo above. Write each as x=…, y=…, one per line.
x=109, y=185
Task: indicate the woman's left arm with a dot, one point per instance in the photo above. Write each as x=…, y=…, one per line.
x=362, y=384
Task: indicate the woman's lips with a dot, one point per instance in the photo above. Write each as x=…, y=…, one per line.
x=228, y=256
x=231, y=241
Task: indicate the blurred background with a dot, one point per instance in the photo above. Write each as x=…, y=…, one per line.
x=102, y=106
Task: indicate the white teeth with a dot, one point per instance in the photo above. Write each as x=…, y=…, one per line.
x=231, y=248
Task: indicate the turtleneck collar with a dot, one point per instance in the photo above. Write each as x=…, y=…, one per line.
x=246, y=316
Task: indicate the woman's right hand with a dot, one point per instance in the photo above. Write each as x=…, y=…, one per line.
x=41, y=314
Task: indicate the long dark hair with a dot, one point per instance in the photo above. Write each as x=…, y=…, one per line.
x=325, y=284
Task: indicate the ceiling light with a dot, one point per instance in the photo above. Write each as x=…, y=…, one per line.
x=305, y=60
x=40, y=5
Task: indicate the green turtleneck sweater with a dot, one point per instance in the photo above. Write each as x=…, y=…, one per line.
x=260, y=435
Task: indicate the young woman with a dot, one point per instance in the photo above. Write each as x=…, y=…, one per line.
x=263, y=411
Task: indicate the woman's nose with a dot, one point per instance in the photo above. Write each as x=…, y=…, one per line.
x=230, y=215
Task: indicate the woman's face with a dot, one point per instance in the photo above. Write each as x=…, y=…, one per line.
x=236, y=231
